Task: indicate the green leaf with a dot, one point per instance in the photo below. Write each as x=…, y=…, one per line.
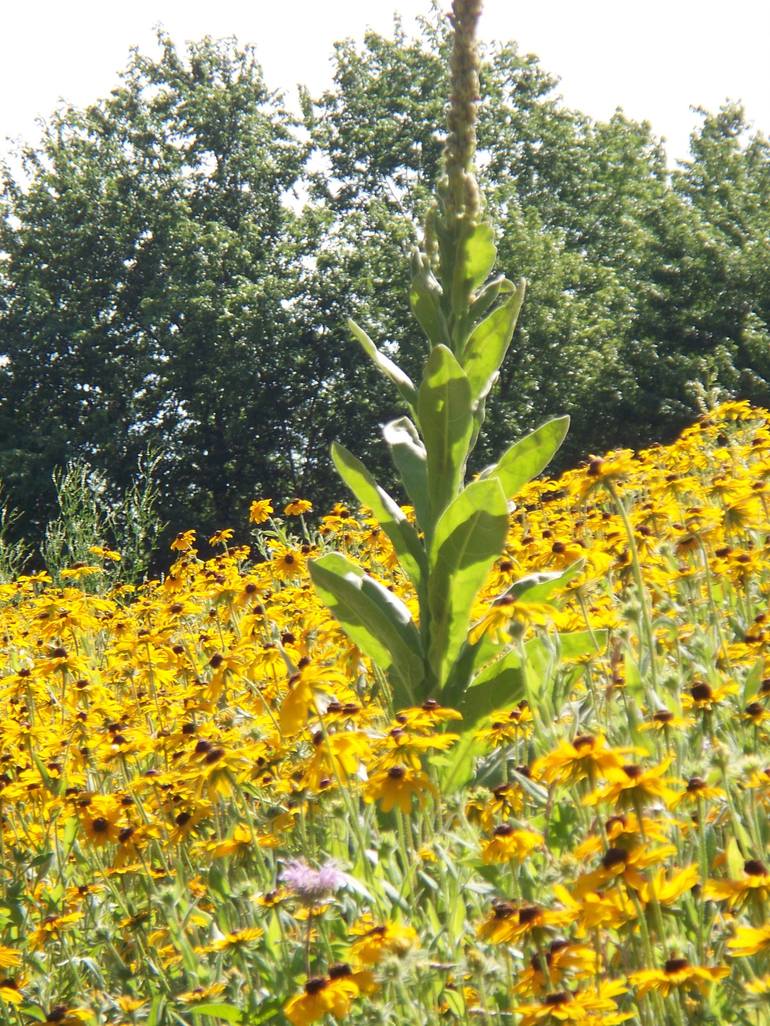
x=577, y=644
x=405, y=540
x=496, y=686
x=539, y=586
x=384, y=364
x=486, y=348
x=157, y=1008
x=485, y=298
x=469, y=657
x=425, y=300
x=469, y=536
x=446, y=422
x=455, y=767
x=219, y=1010
x=529, y=456
x=374, y=619
x=410, y=458
x=752, y=681
x=475, y=259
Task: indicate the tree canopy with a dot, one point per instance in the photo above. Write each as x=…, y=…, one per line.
x=178, y=262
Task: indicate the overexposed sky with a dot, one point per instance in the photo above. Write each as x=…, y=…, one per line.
x=653, y=58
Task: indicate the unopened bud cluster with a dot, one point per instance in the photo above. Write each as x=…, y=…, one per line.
x=463, y=196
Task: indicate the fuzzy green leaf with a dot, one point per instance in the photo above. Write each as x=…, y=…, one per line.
x=384, y=364
x=486, y=348
x=498, y=685
x=219, y=1010
x=425, y=300
x=446, y=422
x=529, y=456
x=374, y=619
x=469, y=536
x=576, y=644
x=475, y=259
x=539, y=586
x=405, y=540
x=410, y=458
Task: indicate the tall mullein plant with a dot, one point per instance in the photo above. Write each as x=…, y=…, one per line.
x=468, y=317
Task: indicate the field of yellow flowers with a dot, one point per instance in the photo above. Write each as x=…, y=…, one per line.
x=212, y=813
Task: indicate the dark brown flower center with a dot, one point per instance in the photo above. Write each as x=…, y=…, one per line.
x=701, y=692
x=755, y=868
x=675, y=965
x=337, y=972
x=561, y=997
x=315, y=985
x=503, y=910
x=614, y=857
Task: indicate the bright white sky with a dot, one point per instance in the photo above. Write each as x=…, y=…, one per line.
x=653, y=58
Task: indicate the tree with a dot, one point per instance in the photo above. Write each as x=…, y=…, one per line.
x=145, y=282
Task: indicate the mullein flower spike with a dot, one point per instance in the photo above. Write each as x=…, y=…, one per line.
x=431, y=651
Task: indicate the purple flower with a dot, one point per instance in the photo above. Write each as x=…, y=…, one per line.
x=310, y=885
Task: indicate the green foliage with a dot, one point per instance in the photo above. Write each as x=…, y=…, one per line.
x=160, y=284
x=14, y=552
x=469, y=536
x=89, y=514
x=374, y=619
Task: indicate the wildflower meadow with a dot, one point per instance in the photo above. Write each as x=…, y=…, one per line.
x=492, y=751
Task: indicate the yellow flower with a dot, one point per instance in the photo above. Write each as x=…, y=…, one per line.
x=593, y=1007
x=510, y=845
x=197, y=994
x=9, y=957
x=10, y=991
x=236, y=939
x=260, y=510
x=221, y=537
x=749, y=940
x=184, y=541
x=508, y=922
x=395, y=786
x=99, y=819
x=98, y=550
x=755, y=885
x=574, y=760
x=630, y=784
x=677, y=972
x=375, y=942
x=61, y=1015
x=297, y=507
x=321, y=996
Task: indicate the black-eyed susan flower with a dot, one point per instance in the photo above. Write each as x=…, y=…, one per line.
x=630, y=785
x=572, y=761
x=297, y=507
x=592, y=1007
x=510, y=844
x=321, y=996
x=374, y=942
x=753, y=886
x=260, y=511
x=749, y=940
x=677, y=973
x=396, y=787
